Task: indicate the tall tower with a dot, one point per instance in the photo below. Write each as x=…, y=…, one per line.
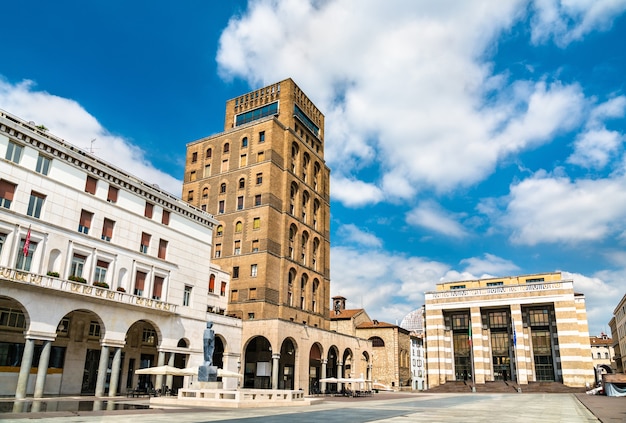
x=265, y=180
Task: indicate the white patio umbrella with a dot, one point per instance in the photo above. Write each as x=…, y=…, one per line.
x=164, y=370
x=193, y=371
x=329, y=380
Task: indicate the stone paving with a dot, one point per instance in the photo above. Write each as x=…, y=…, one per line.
x=383, y=407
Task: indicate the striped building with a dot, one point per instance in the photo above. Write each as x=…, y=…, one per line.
x=529, y=328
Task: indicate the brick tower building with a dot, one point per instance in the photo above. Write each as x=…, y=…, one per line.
x=265, y=180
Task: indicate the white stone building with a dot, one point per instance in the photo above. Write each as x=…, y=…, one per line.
x=101, y=274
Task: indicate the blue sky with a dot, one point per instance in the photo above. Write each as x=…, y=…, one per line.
x=465, y=138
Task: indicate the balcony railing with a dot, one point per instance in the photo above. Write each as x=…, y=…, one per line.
x=78, y=288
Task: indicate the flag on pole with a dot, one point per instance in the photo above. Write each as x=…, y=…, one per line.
x=469, y=339
x=26, y=243
x=514, y=337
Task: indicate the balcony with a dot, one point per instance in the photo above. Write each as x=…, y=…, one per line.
x=84, y=290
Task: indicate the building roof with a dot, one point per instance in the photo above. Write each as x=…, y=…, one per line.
x=602, y=340
x=375, y=324
x=345, y=314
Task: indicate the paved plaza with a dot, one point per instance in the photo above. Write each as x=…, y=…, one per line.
x=383, y=407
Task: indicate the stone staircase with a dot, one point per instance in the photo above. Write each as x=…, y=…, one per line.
x=504, y=387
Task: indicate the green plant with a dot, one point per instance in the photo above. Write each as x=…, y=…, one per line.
x=120, y=289
x=53, y=274
x=77, y=279
x=101, y=285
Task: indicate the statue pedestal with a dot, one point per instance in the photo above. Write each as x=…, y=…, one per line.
x=208, y=385
x=207, y=373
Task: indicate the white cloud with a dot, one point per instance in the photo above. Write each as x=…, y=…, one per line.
x=431, y=216
x=406, y=87
x=567, y=21
x=551, y=209
x=596, y=145
x=354, y=193
x=352, y=234
x=489, y=266
x=387, y=285
x=67, y=119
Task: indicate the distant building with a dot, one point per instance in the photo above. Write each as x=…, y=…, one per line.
x=391, y=345
x=101, y=274
x=526, y=328
x=618, y=333
x=603, y=355
x=414, y=323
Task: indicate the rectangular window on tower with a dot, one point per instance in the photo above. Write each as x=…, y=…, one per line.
x=187, y=296
x=240, y=203
x=14, y=152
x=257, y=200
x=148, y=210
x=237, y=249
x=90, y=185
x=145, y=242
x=162, y=249
x=43, y=165
x=112, y=195
x=7, y=190
x=35, y=204
x=101, y=271
x=107, y=229
x=165, y=219
x=140, y=281
x=157, y=291
x=84, y=224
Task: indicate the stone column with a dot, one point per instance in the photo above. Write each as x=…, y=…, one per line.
x=42, y=369
x=339, y=375
x=158, y=384
x=169, y=379
x=323, y=384
x=115, y=371
x=275, y=368
x=478, y=351
x=27, y=361
x=102, y=371
x=519, y=347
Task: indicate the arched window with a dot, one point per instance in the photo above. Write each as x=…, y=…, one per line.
x=244, y=142
x=238, y=226
x=305, y=240
x=305, y=205
x=242, y=183
x=316, y=247
x=226, y=148
x=316, y=172
x=294, y=156
x=205, y=192
x=220, y=230
x=316, y=209
x=303, y=283
x=305, y=166
x=377, y=342
x=209, y=153
x=223, y=187
x=292, y=235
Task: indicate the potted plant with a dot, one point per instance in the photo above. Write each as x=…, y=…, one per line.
x=101, y=284
x=53, y=274
x=77, y=279
x=120, y=289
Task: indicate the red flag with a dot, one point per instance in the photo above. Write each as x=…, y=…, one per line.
x=26, y=243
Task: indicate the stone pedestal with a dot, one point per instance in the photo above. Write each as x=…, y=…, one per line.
x=208, y=385
x=207, y=374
